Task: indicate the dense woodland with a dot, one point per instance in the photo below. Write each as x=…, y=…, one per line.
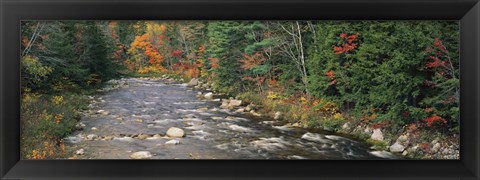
x=401, y=76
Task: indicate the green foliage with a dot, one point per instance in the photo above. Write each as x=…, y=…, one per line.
x=65, y=55
x=61, y=52
x=385, y=72
x=376, y=144
x=96, y=57
x=225, y=42
x=33, y=72
x=47, y=118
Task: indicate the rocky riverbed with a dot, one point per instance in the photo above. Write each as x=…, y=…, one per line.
x=158, y=118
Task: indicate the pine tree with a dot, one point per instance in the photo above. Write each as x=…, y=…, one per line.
x=226, y=43
x=61, y=53
x=96, y=53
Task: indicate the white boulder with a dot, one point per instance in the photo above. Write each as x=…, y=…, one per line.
x=397, y=147
x=277, y=115
x=141, y=155
x=193, y=82
x=172, y=142
x=377, y=135
x=175, y=132
x=208, y=95
x=80, y=152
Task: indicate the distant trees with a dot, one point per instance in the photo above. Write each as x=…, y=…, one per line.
x=64, y=55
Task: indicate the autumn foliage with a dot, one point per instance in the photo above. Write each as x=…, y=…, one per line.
x=347, y=43
x=253, y=63
x=143, y=44
x=331, y=75
x=435, y=119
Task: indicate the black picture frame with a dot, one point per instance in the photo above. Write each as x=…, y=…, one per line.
x=13, y=11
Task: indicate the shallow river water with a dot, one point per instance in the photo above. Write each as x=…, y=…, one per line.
x=151, y=107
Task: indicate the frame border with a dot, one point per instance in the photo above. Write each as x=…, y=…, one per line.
x=467, y=12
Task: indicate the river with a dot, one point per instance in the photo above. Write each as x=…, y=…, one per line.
x=135, y=118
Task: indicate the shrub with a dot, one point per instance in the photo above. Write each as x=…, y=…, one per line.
x=45, y=121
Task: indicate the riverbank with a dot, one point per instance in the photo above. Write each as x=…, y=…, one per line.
x=411, y=141
x=45, y=120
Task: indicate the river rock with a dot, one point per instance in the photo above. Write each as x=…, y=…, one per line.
x=205, y=86
x=225, y=103
x=296, y=125
x=413, y=149
x=277, y=115
x=249, y=107
x=397, y=147
x=436, y=147
x=346, y=126
x=203, y=109
x=108, y=138
x=80, y=152
x=92, y=137
x=367, y=130
x=255, y=113
x=91, y=112
x=234, y=103
x=445, y=151
x=402, y=138
x=142, y=136
x=193, y=82
x=102, y=112
x=73, y=139
x=141, y=155
x=377, y=135
x=230, y=118
x=94, y=129
x=80, y=126
x=209, y=95
x=435, y=141
x=175, y=132
x=240, y=110
x=172, y=142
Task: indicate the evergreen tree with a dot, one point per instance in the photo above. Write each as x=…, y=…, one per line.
x=96, y=53
x=226, y=43
x=61, y=52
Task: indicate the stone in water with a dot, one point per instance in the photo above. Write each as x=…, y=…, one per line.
x=141, y=155
x=173, y=142
x=175, y=132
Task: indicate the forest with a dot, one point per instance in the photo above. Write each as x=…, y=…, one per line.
x=398, y=76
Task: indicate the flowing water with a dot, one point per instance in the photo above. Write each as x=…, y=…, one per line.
x=150, y=107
